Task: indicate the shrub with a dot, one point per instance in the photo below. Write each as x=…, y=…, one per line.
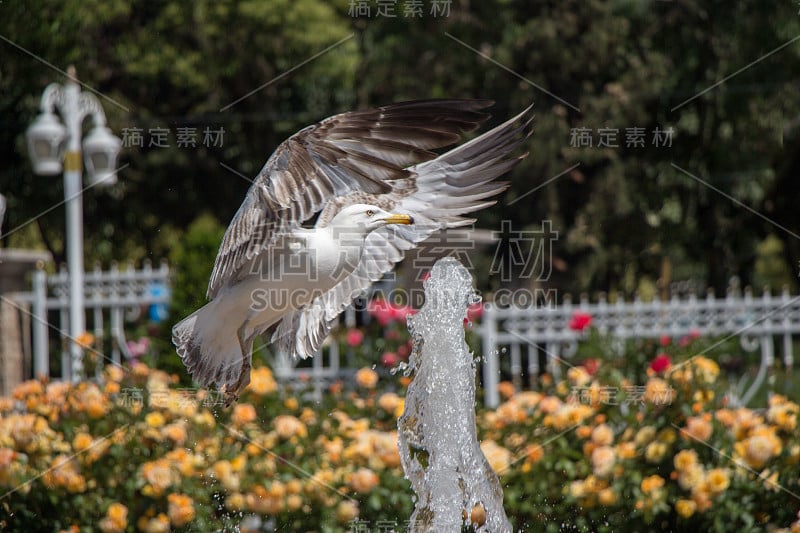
x=137, y=452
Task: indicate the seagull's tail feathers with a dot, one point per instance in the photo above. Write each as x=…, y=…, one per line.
x=462, y=180
x=301, y=333
x=212, y=352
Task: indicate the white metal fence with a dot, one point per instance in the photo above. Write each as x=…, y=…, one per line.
x=116, y=296
x=520, y=333
x=111, y=297
x=512, y=337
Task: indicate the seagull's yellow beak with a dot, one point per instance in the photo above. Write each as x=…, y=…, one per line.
x=398, y=219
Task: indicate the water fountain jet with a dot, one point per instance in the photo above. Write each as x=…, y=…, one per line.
x=438, y=441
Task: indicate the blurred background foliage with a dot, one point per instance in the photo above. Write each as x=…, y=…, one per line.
x=627, y=218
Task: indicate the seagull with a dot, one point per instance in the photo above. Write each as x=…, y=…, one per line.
x=376, y=190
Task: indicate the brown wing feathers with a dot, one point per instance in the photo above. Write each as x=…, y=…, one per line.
x=356, y=151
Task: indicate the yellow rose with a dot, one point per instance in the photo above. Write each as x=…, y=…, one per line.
x=243, y=413
x=706, y=369
x=644, y=436
x=85, y=340
x=235, y=502
x=159, y=524
x=770, y=480
x=684, y=459
x=685, y=508
x=782, y=412
x=401, y=405
x=347, y=511
x=607, y=496
x=388, y=401
x=175, y=432
x=287, y=426
x=691, y=477
x=698, y=428
x=578, y=376
x=82, y=441
x=223, y=471
x=291, y=403
x=717, y=480
x=367, y=378
x=499, y=458
x=655, y=452
x=294, y=502
x=603, y=460
x=577, y=489
x=159, y=476
x=506, y=389
x=626, y=450
x=534, y=453
x=262, y=381
x=154, y=419
x=116, y=519
x=603, y=435
x=181, y=509
x=363, y=480
x=652, y=483
x=762, y=446
x=658, y=392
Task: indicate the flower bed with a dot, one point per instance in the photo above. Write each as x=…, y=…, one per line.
x=138, y=453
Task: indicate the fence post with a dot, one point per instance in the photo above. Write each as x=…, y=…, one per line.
x=788, y=356
x=62, y=279
x=490, y=354
x=41, y=351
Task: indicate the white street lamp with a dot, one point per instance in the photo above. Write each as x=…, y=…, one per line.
x=46, y=147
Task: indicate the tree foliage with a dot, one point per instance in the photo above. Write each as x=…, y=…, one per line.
x=628, y=218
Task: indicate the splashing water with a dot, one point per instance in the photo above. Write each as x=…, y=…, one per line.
x=438, y=441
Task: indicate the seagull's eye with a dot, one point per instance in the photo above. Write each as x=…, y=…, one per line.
x=370, y=213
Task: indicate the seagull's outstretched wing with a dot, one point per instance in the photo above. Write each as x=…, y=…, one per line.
x=365, y=151
x=439, y=193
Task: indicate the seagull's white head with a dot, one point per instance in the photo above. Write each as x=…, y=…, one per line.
x=366, y=218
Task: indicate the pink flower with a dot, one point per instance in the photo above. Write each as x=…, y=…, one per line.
x=665, y=340
x=381, y=311
x=354, y=337
x=385, y=312
x=401, y=312
x=580, y=321
x=389, y=359
x=404, y=350
x=138, y=348
x=686, y=340
x=475, y=311
x=660, y=363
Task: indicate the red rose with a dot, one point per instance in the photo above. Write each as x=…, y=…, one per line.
x=389, y=359
x=580, y=321
x=660, y=363
x=591, y=366
x=354, y=337
x=665, y=340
